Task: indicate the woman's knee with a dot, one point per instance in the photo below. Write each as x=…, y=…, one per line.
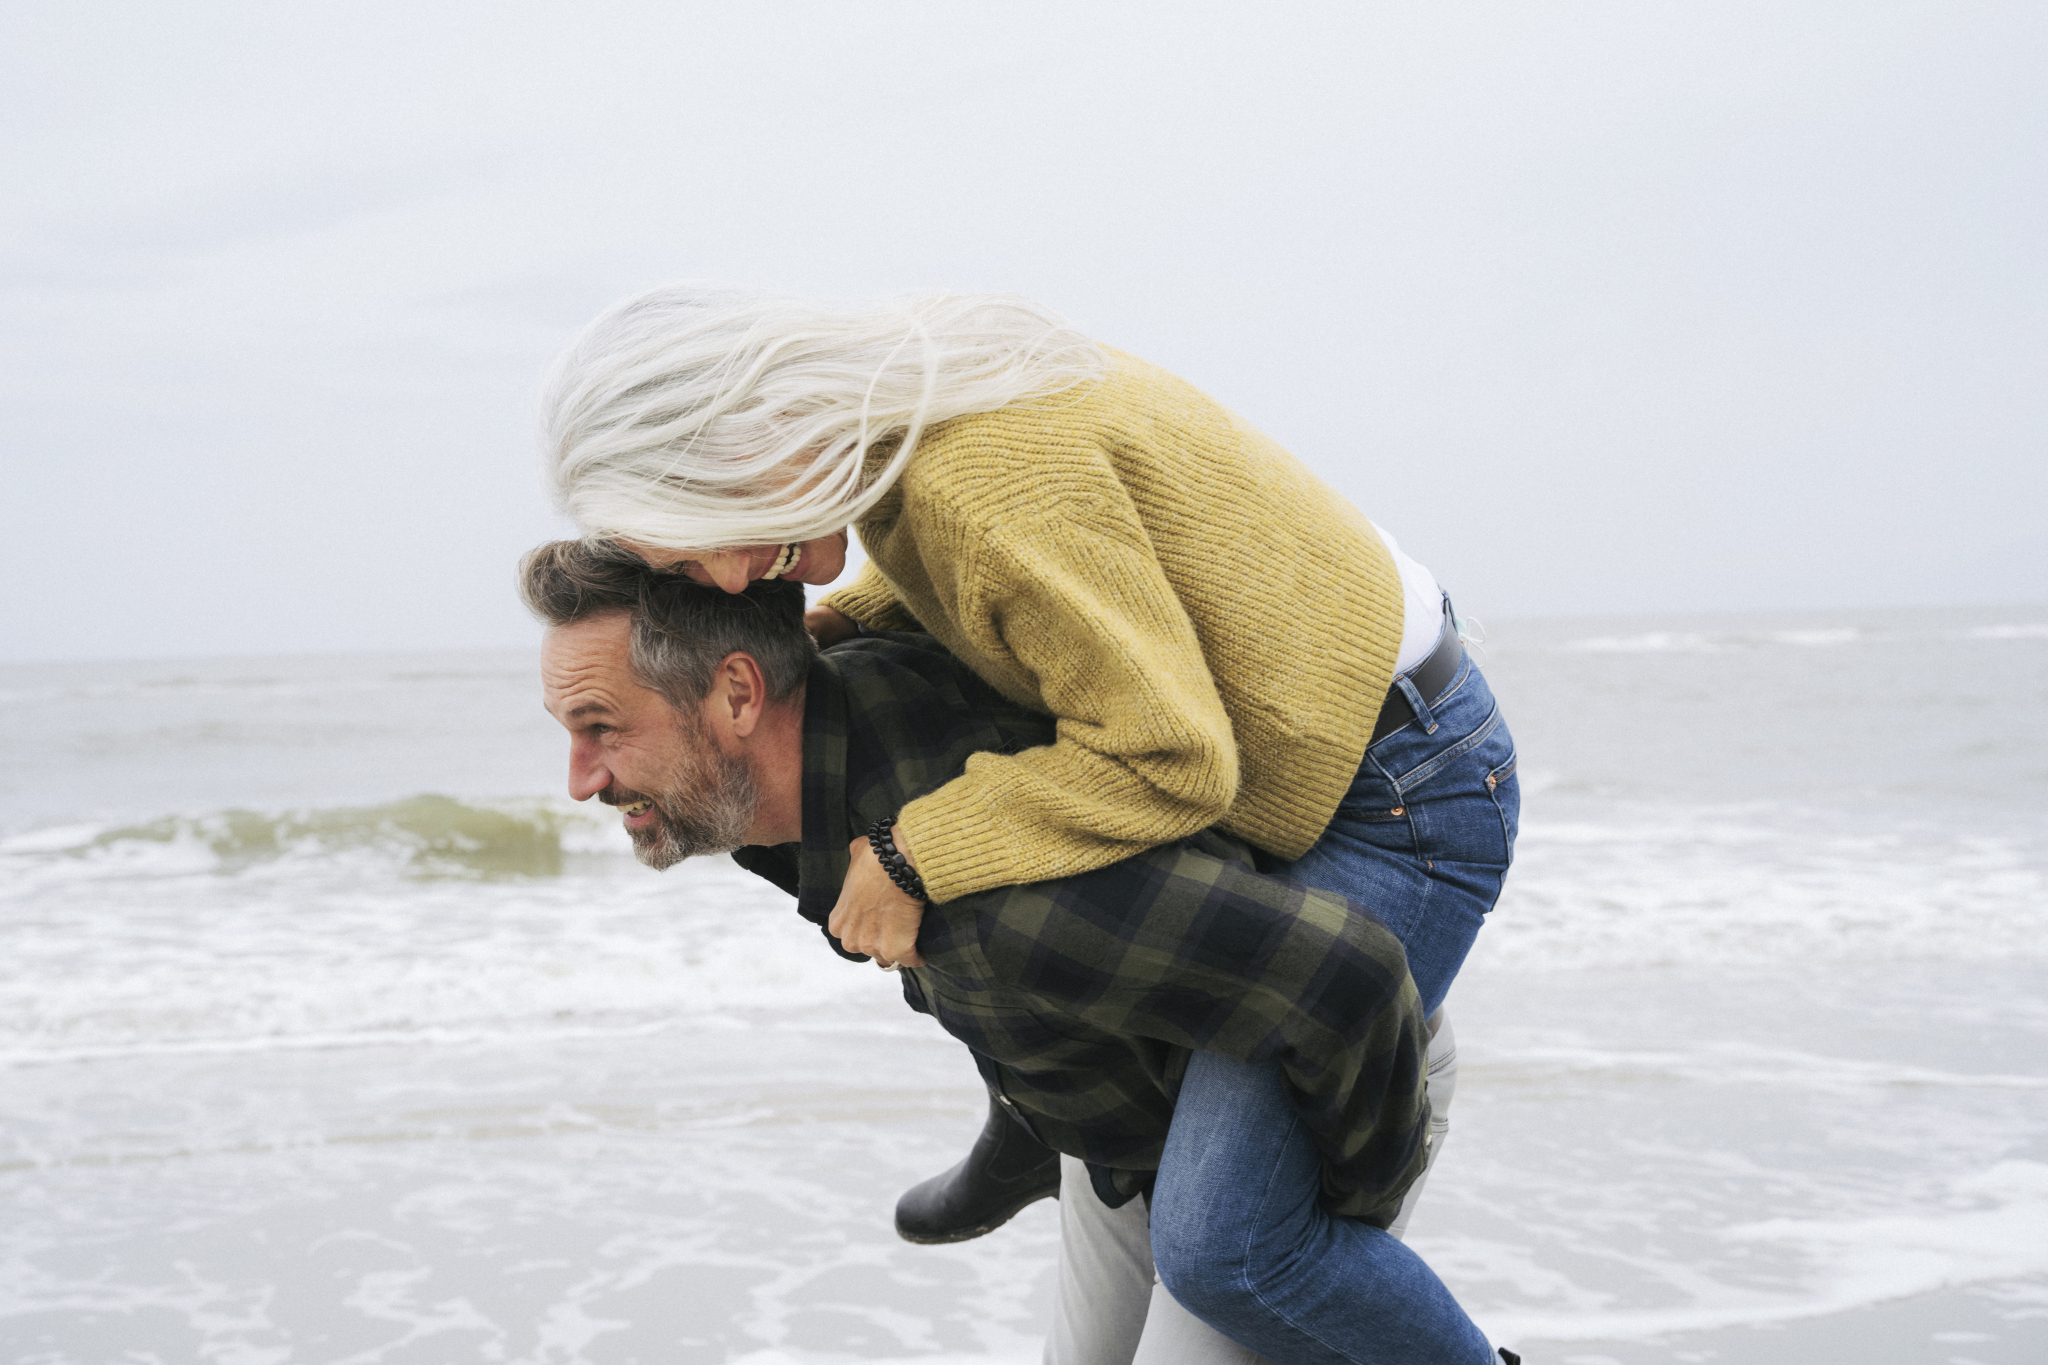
x=1223, y=1265
x=1203, y=1265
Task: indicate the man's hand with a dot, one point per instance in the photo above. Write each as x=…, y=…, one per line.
x=874, y=915
x=828, y=627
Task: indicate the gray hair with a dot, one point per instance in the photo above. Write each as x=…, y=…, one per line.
x=681, y=631
x=699, y=418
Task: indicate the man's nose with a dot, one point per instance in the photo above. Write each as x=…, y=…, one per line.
x=588, y=774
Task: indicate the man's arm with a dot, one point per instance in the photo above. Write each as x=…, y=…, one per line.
x=1187, y=944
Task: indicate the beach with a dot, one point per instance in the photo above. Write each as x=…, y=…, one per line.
x=330, y=1031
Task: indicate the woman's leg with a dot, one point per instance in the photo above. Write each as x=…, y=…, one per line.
x=1241, y=1241
x=1424, y=837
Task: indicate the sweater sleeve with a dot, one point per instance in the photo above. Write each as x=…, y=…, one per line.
x=1200, y=951
x=1143, y=752
x=870, y=601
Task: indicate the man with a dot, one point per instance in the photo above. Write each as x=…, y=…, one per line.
x=1155, y=1021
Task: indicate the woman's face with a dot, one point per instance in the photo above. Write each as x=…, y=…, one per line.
x=816, y=562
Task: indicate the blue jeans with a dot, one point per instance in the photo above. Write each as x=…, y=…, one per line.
x=1240, y=1239
x=1423, y=839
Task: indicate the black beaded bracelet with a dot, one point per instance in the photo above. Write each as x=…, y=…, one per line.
x=893, y=862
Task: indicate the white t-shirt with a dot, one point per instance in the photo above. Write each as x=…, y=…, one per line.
x=1422, y=606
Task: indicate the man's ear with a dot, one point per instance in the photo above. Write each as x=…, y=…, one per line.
x=739, y=694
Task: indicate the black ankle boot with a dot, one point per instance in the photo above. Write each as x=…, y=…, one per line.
x=1508, y=1357
x=1007, y=1169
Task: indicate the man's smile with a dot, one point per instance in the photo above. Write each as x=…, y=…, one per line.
x=638, y=810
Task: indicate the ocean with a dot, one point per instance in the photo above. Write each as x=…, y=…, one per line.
x=331, y=1031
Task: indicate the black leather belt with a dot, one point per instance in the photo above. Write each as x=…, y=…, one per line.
x=1430, y=677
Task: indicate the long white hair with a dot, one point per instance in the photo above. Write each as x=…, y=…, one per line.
x=695, y=417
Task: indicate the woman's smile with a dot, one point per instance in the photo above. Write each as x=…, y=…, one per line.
x=816, y=562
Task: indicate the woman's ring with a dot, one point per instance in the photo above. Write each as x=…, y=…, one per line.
x=888, y=966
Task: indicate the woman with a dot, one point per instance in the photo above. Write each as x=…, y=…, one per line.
x=1220, y=637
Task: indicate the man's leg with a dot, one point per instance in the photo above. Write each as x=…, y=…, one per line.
x=1105, y=1275
x=1242, y=1242
x=1006, y=1169
x=1174, y=1336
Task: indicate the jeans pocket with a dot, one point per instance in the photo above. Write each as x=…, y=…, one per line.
x=1507, y=800
x=1462, y=798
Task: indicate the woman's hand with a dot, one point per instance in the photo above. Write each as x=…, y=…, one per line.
x=874, y=915
x=828, y=628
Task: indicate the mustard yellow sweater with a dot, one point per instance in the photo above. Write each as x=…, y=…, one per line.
x=1213, y=626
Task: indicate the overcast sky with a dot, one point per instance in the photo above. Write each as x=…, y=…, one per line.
x=1599, y=307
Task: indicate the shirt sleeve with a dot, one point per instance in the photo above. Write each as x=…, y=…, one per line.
x=870, y=601
x=1189, y=946
x=1143, y=752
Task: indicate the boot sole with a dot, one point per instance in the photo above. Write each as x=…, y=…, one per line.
x=968, y=1234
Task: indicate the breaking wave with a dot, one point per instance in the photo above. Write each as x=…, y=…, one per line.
x=426, y=836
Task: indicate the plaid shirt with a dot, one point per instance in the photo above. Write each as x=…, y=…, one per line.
x=1082, y=998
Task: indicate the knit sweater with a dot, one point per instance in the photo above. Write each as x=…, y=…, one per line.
x=1212, y=627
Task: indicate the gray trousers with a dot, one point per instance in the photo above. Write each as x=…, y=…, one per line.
x=1109, y=1307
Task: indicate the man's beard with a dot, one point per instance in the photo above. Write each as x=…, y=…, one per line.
x=706, y=804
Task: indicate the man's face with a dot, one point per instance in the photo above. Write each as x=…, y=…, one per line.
x=680, y=793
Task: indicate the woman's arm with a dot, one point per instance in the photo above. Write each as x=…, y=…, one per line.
x=1142, y=753
x=1080, y=612
x=870, y=601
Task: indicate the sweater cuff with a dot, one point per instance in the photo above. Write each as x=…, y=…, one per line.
x=871, y=609
x=963, y=845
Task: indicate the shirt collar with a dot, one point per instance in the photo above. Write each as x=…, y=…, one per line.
x=822, y=862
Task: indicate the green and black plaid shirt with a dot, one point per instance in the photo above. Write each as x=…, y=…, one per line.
x=1081, y=998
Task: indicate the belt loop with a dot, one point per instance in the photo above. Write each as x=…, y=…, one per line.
x=1413, y=696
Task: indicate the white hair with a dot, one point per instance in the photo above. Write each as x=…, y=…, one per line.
x=702, y=418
